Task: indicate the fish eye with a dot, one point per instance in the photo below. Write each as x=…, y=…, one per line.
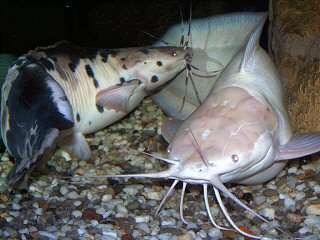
x=174, y=54
x=235, y=157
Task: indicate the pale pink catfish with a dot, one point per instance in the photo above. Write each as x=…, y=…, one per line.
x=240, y=134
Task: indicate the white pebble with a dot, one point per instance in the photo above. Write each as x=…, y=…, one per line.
x=289, y=202
x=122, y=209
x=15, y=206
x=130, y=190
x=312, y=220
x=299, y=196
x=48, y=235
x=24, y=231
x=77, y=203
x=268, y=213
x=305, y=230
x=109, y=232
x=82, y=231
x=144, y=227
x=38, y=211
x=94, y=223
x=76, y=213
x=106, y=197
x=73, y=195
x=215, y=233
x=154, y=195
x=202, y=234
x=142, y=219
x=168, y=222
x=300, y=187
x=136, y=234
x=292, y=170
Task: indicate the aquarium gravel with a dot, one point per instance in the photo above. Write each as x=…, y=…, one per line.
x=60, y=205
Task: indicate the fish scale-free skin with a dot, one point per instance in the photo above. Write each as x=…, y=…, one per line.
x=58, y=93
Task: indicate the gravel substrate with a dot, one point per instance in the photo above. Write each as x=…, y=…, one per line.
x=56, y=207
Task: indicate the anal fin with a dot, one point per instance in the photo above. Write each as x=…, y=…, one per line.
x=300, y=145
x=77, y=146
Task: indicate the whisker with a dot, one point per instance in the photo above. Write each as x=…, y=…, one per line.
x=205, y=195
x=225, y=212
x=184, y=185
x=195, y=89
x=167, y=195
x=156, y=38
x=205, y=160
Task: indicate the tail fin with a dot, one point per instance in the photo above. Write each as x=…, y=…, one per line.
x=34, y=109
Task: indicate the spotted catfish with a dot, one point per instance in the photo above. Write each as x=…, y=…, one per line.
x=58, y=93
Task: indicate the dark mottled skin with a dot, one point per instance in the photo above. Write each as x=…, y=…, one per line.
x=30, y=105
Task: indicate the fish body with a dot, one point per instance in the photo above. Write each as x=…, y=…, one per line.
x=59, y=93
x=215, y=41
x=240, y=134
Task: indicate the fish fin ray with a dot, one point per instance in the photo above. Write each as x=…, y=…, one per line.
x=169, y=127
x=121, y=97
x=77, y=146
x=300, y=145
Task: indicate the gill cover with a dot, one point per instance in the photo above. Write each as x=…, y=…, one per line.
x=34, y=109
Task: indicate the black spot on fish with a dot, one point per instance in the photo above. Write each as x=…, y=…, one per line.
x=104, y=55
x=89, y=71
x=54, y=59
x=124, y=67
x=72, y=66
x=159, y=63
x=96, y=83
x=123, y=58
x=90, y=122
x=114, y=53
x=100, y=109
x=46, y=63
x=144, y=50
x=154, y=79
x=78, y=117
x=122, y=80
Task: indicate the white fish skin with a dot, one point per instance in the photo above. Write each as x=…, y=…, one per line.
x=240, y=134
x=57, y=94
x=215, y=41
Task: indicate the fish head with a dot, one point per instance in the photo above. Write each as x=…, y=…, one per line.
x=153, y=66
x=228, y=147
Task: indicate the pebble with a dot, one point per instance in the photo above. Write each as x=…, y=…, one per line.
x=144, y=227
x=15, y=206
x=313, y=209
x=73, y=195
x=312, y=220
x=270, y=193
x=76, y=213
x=48, y=235
x=260, y=199
x=304, y=230
x=154, y=195
x=82, y=231
x=168, y=222
x=215, y=233
x=268, y=213
x=142, y=219
x=106, y=198
x=289, y=203
x=109, y=232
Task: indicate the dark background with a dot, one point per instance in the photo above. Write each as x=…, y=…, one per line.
x=24, y=25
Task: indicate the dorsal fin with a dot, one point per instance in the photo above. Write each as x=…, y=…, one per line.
x=252, y=44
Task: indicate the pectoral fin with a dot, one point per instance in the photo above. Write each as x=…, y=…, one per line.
x=77, y=146
x=169, y=127
x=299, y=146
x=123, y=97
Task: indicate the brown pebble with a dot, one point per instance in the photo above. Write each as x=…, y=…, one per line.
x=44, y=205
x=280, y=183
x=90, y=214
x=294, y=217
x=127, y=236
x=270, y=193
x=4, y=198
x=229, y=234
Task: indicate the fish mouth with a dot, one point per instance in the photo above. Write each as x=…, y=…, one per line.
x=188, y=56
